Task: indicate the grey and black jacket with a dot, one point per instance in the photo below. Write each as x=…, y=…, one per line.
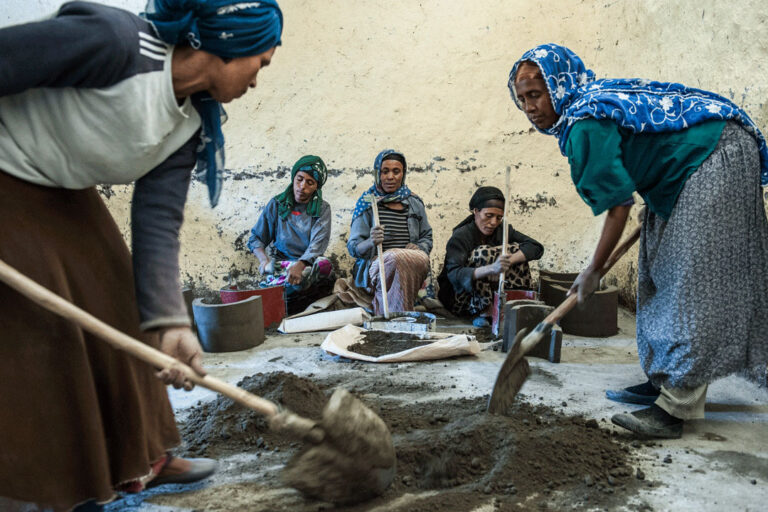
x=86, y=98
x=419, y=231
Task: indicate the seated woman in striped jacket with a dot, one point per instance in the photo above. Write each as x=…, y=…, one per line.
x=403, y=231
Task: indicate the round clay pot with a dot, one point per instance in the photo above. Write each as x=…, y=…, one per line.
x=273, y=304
x=547, y=291
x=189, y=296
x=597, y=317
x=522, y=295
x=565, y=277
x=229, y=327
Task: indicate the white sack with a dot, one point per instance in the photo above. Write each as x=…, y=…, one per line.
x=324, y=321
x=445, y=345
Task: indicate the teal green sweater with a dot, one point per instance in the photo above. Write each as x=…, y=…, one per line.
x=608, y=162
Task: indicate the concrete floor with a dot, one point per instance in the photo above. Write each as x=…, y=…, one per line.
x=721, y=463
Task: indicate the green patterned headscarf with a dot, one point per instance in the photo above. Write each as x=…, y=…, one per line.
x=315, y=167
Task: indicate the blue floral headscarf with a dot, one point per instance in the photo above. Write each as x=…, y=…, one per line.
x=636, y=104
x=228, y=29
x=399, y=195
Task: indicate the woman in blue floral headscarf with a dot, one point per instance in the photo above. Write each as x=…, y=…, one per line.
x=404, y=233
x=697, y=160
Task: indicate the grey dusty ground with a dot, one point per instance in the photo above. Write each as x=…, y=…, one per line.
x=721, y=463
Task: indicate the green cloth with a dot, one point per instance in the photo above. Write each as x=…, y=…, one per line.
x=314, y=166
x=608, y=162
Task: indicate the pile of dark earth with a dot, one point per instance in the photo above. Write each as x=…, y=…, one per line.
x=450, y=454
x=379, y=343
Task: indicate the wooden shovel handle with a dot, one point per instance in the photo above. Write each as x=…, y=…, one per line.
x=382, y=277
x=570, y=301
x=505, y=228
x=121, y=341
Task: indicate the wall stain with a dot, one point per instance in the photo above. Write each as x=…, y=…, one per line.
x=258, y=174
x=527, y=205
x=241, y=240
x=339, y=270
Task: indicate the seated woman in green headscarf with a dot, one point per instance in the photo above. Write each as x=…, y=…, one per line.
x=296, y=226
x=473, y=259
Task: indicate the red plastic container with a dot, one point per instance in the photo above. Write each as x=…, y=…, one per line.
x=272, y=301
x=522, y=294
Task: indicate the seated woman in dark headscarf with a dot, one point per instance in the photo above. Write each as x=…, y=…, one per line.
x=297, y=226
x=405, y=235
x=473, y=258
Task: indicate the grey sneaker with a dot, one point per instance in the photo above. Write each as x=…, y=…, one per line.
x=651, y=422
x=199, y=469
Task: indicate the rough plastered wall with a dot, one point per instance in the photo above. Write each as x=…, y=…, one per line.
x=429, y=78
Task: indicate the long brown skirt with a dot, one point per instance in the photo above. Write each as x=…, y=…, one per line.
x=405, y=271
x=77, y=417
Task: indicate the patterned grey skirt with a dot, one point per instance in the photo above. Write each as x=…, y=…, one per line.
x=702, y=304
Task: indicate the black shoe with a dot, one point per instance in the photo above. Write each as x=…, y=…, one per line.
x=643, y=394
x=652, y=422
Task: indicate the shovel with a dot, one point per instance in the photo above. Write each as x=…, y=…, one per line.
x=515, y=371
x=500, y=296
x=382, y=275
x=352, y=443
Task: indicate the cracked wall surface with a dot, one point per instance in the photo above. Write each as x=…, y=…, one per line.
x=429, y=78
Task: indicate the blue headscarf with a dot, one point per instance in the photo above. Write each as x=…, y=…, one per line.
x=636, y=104
x=228, y=29
x=399, y=195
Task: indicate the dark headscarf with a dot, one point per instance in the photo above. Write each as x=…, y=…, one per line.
x=228, y=29
x=376, y=190
x=315, y=167
x=483, y=195
x=481, y=199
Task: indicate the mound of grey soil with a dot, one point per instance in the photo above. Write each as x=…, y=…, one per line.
x=455, y=447
x=535, y=457
x=224, y=427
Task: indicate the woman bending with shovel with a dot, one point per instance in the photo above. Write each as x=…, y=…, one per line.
x=96, y=95
x=698, y=162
